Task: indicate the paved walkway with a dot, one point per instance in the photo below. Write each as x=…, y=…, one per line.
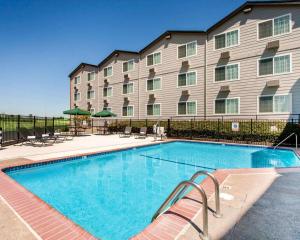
x=276, y=215
x=79, y=145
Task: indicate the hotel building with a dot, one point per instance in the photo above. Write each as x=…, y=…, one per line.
x=246, y=64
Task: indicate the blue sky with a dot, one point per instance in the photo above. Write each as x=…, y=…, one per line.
x=42, y=41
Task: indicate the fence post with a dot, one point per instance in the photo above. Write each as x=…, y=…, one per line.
x=18, y=127
x=218, y=129
x=34, y=123
x=169, y=127
x=191, y=129
x=299, y=119
x=251, y=129
x=53, y=124
x=45, y=130
x=130, y=122
x=92, y=125
x=146, y=123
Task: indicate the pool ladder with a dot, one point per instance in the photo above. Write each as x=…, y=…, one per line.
x=179, y=192
x=296, y=140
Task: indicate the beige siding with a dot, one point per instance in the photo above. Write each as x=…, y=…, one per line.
x=168, y=71
x=83, y=88
x=247, y=53
x=116, y=81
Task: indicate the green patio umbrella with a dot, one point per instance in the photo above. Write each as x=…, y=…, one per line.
x=104, y=114
x=76, y=112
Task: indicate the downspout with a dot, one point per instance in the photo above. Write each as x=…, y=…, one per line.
x=205, y=75
x=139, y=87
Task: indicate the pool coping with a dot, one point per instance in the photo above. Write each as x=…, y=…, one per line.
x=49, y=223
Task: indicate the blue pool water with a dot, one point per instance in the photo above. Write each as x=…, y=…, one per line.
x=114, y=195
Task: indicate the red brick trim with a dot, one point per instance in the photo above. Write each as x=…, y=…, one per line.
x=48, y=223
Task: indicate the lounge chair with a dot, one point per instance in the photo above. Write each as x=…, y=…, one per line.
x=46, y=139
x=143, y=133
x=126, y=133
x=31, y=140
x=59, y=137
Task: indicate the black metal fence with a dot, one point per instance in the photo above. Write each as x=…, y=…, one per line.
x=237, y=130
x=15, y=128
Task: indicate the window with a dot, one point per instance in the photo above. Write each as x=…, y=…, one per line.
x=227, y=106
x=153, y=84
x=275, y=65
x=77, y=80
x=154, y=59
x=127, y=111
x=228, y=39
x=187, y=79
x=127, y=88
x=274, y=27
x=187, y=108
x=108, y=71
x=107, y=109
x=76, y=96
x=91, y=76
x=187, y=50
x=90, y=94
x=275, y=104
x=107, y=92
x=228, y=72
x=153, y=110
x=128, y=66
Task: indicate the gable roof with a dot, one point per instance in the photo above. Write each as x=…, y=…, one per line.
x=80, y=66
x=252, y=4
x=219, y=23
x=166, y=33
x=115, y=52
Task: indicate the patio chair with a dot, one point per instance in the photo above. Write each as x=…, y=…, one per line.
x=142, y=133
x=126, y=133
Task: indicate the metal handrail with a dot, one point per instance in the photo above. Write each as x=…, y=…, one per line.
x=287, y=139
x=217, y=213
x=174, y=194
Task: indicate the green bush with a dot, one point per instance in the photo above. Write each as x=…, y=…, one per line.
x=266, y=131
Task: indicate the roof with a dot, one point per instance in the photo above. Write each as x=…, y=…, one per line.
x=223, y=20
x=251, y=4
x=113, y=53
x=166, y=33
x=80, y=66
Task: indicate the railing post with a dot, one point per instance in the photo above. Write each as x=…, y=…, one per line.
x=299, y=119
x=18, y=127
x=130, y=122
x=92, y=125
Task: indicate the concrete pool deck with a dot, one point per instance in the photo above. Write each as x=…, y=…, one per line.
x=78, y=146
x=182, y=221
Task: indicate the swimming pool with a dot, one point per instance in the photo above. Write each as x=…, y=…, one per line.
x=114, y=195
